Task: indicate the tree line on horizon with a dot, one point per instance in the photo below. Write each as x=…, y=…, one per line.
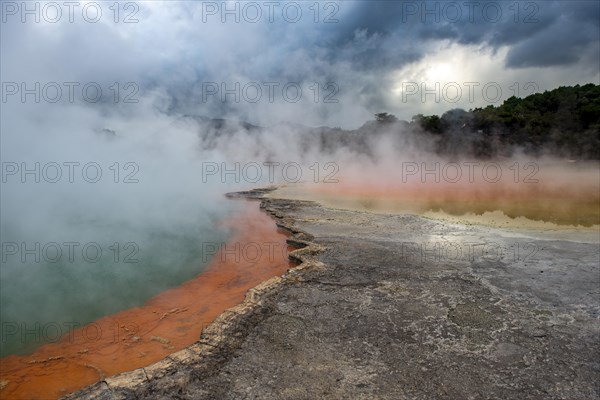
x=563, y=122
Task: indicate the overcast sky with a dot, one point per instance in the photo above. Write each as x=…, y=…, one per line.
x=350, y=59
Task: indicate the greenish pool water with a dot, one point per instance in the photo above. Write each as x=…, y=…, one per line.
x=43, y=295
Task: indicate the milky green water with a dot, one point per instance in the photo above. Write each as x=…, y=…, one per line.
x=41, y=299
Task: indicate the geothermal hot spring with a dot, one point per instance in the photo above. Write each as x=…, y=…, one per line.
x=67, y=324
x=550, y=195
x=104, y=318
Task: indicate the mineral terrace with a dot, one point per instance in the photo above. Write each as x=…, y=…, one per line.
x=396, y=307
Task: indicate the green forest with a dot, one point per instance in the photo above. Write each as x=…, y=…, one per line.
x=564, y=121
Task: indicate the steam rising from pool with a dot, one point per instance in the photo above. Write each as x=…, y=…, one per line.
x=150, y=203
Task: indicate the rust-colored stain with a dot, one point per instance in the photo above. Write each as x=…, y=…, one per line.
x=563, y=203
x=172, y=320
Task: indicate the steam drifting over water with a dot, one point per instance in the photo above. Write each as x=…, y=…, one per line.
x=109, y=205
x=121, y=130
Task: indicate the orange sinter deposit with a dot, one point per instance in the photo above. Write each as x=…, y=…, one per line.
x=167, y=323
x=509, y=193
x=562, y=207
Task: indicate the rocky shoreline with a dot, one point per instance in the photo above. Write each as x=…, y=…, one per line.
x=370, y=313
x=218, y=340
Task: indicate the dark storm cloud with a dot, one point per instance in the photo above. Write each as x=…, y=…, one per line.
x=575, y=31
x=370, y=47
x=549, y=49
x=539, y=33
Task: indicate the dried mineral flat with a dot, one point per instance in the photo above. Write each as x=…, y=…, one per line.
x=398, y=306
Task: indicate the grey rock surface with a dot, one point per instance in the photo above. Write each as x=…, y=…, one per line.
x=397, y=307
